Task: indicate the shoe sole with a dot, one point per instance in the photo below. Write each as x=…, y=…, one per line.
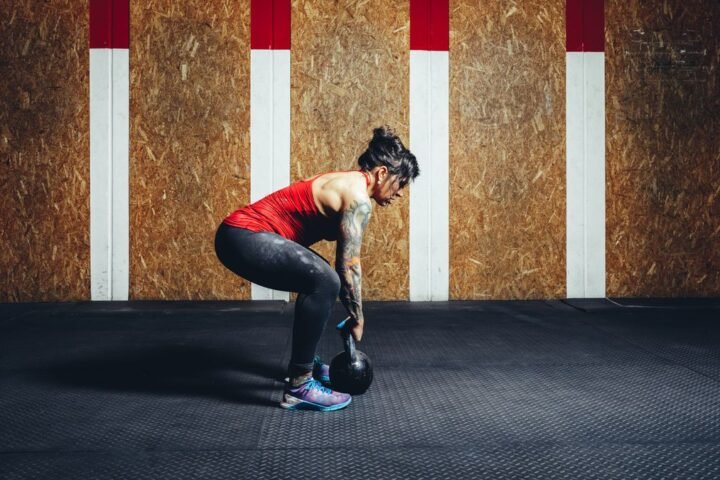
x=303, y=405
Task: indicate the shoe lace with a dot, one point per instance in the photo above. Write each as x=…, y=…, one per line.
x=314, y=384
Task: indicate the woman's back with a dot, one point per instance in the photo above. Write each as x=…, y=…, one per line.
x=304, y=212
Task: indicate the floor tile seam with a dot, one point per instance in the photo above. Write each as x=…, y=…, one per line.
x=659, y=356
x=19, y=372
x=528, y=365
x=576, y=307
x=620, y=307
x=382, y=448
x=62, y=308
x=486, y=446
x=559, y=304
x=265, y=425
x=528, y=319
x=9, y=321
x=502, y=444
x=615, y=301
x=267, y=422
x=261, y=431
x=170, y=312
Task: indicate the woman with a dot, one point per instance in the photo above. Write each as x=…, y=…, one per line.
x=266, y=242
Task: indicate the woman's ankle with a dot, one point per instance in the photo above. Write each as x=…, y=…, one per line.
x=297, y=380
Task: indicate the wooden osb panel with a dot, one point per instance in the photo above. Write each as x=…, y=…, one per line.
x=507, y=149
x=189, y=111
x=349, y=75
x=663, y=148
x=44, y=151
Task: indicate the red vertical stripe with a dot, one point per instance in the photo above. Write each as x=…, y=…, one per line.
x=281, y=24
x=100, y=23
x=270, y=24
x=261, y=24
x=121, y=24
x=109, y=23
x=585, y=25
x=430, y=25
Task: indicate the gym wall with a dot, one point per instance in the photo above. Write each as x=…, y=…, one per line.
x=190, y=143
x=507, y=149
x=44, y=151
x=663, y=148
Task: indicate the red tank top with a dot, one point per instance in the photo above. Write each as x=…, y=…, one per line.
x=291, y=213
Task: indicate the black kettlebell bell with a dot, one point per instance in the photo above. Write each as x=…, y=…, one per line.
x=350, y=370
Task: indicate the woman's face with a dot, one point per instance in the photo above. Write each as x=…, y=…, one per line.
x=387, y=190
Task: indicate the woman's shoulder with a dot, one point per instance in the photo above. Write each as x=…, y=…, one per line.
x=338, y=190
x=345, y=181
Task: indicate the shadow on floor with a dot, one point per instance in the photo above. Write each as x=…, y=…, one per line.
x=170, y=370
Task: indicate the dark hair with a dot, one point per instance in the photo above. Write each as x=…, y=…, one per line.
x=386, y=149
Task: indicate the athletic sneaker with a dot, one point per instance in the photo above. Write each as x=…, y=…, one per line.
x=311, y=395
x=321, y=371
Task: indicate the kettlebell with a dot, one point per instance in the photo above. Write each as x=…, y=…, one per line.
x=350, y=370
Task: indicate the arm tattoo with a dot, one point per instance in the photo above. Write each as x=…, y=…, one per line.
x=347, y=260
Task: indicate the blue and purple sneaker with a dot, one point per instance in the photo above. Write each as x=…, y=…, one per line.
x=311, y=395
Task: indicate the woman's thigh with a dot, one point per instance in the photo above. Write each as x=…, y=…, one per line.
x=272, y=261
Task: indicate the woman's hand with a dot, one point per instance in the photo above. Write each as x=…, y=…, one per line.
x=352, y=326
x=357, y=329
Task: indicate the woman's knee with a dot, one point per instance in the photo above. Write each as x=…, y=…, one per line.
x=327, y=282
x=335, y=283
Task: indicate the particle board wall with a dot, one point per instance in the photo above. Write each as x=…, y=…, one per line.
x=663, y=148
x=350, y=67
x=44, y=151
x=507, y=149
x=189, y=91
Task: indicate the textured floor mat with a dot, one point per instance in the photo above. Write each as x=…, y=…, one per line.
x=462, y=390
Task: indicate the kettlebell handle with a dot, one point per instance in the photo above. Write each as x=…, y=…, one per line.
x=348, y=340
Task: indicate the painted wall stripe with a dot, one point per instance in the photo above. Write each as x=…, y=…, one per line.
x=109, y=24
x=430, y=25
x=120, y=173
x=270, y=25
x=585, y=150
x=429, y=141
x=100, y=174
x=269, y=107
x=429, y=195
x=109, y=149
x=585, y=25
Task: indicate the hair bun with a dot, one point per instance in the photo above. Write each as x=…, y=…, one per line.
x=387, y=149
x=383, y=132
x=384, y=140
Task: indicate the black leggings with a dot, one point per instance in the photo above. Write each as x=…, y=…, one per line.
x=275, y=262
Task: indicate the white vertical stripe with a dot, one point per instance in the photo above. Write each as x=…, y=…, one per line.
x=269, y=133
x=281, y=118
x=440, y=183
x=429, y=194
x=120, y=174
x=100, y=174
x=109, y=169
x=585, y=164
x=420, y=192
x=595, y=179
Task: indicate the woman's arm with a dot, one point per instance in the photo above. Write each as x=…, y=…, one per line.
x=347, y=261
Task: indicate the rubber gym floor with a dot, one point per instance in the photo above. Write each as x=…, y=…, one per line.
x=591, y=389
